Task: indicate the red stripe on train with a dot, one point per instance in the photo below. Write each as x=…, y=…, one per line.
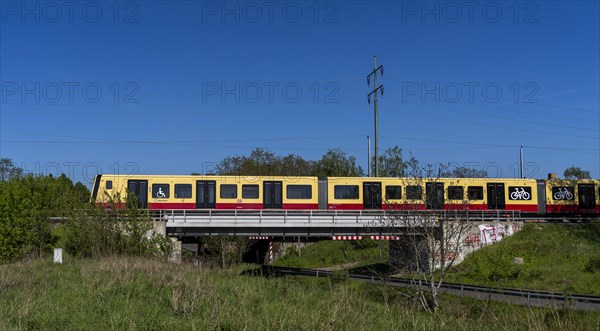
x=529, y=208
x=298, y=206
x=570, y=209
x=171, y=205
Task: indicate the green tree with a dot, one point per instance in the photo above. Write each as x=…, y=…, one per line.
x=391, y=163
x=28, y=206
x=463, y=172
x=263, y=162
x=336, y=163
x=574, y=172
x=9, y=170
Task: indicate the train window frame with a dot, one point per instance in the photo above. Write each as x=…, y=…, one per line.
x=456, y=192
x=555, y=189
x=348, y=195
x=226, y=188
x=255, y=190
x=109, y=185
x=393, y=192
x=158, y=188
x=475, y=189
x=183, y=191
x=527, y=189
x=302, y=189
x=414, y=192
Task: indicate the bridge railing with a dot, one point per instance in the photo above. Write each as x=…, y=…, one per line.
x=324, y=217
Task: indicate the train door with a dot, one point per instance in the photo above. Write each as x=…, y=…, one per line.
x=272, y=195
x=434, y=195
x=372, y=195
x=206, y=191
x=496, y=196
x=587, y=196
x=139, y=188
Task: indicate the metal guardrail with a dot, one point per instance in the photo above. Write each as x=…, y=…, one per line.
x=524, y=297
x=316, y=218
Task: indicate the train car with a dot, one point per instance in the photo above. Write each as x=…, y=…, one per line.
x=208, y=192
x=358, y=193
x=576, y=197
x=528, y=196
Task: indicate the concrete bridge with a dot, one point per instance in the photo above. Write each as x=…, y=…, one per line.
x=280, y=226
x=311, y=223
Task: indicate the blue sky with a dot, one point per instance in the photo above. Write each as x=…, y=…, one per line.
x=172, y=87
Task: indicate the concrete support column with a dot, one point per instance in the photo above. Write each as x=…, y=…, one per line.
x=160, y=227
x=409, y=254
x=176, y=253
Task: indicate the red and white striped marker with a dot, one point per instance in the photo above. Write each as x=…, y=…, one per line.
x=386, y=238
x=259, y=238
x=347, y=237
x=270, y=252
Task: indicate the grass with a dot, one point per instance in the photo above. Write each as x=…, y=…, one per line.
x=561, y=258
x=557, y=257
x=329, y=253
x=144, y=294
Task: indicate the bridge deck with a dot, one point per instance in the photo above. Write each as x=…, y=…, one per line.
x=313, y=222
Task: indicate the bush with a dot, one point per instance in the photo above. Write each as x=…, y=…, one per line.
x=592, y=264
x=102, y=232
x=27, y=205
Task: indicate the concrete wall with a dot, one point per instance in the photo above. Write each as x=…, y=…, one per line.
x=405, y=253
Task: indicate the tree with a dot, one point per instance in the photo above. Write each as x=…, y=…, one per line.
x=464, y=172
x=432, y=240
x=391, y=163
x=263, y=162
x=574, y=172
x=9, y=170
x=335, y=163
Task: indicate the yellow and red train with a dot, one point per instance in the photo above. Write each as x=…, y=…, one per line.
x=528, y=196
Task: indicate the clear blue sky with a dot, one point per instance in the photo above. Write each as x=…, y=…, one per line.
x=175, y=65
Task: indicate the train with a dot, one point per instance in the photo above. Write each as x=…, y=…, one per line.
x=549, y=196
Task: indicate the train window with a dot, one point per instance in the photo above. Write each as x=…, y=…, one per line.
x=109, y=184
x=393, y=192
x=456, y=192
x=250, y=191
x=345, y=191
x=160, y=191
x=183, y=191
x=475, y=192
x=414, y=192
x=228, y=191
x=519, y=193
x=563, y=193
x=299, y=192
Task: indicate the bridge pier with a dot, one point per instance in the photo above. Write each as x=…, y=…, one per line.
x=409, y=254
x=176, y=253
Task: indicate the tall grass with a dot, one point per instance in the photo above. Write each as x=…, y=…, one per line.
x=329, y=253
x=562, y=258
x=128, y=293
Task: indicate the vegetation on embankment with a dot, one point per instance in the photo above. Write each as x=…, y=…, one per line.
x=557, y=257
x=150, y=294
x=329, y=253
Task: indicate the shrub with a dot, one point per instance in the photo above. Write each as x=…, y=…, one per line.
x=101, y=232
x=592, y=264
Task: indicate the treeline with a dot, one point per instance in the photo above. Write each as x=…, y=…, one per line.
x=39, y=212
x=336, y=163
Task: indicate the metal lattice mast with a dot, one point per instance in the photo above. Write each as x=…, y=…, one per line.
x=374, y=93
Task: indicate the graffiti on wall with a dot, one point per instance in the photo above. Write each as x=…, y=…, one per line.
x=492, y=233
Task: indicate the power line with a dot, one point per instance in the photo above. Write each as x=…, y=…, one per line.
x=491, y=125
x=513, y=119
